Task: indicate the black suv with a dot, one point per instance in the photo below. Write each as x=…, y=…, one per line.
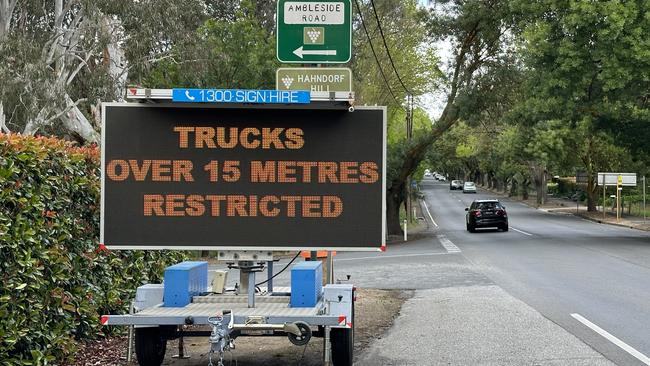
x=486, y=213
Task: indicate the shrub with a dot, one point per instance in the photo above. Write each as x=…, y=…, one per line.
x=56, y=282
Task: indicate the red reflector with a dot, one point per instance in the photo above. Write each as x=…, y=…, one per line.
x=383, y=248
x=104, y=319
x=477, y=213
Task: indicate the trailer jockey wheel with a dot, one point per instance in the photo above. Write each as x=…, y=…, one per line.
x=150, y=346
x=304, y=337
x=342, y=344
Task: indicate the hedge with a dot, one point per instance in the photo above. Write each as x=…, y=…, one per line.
x=56, y=282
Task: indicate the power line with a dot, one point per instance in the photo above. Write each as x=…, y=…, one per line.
x=409, y=95
x=372, y=48
x=390, y=58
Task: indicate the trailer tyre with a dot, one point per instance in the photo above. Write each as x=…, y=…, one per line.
x=150, y=346
x=342, y=342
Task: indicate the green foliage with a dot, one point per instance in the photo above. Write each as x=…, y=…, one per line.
x=224, y=53
x=55, y=281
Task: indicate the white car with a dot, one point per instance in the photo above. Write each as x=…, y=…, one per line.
x=469, y=187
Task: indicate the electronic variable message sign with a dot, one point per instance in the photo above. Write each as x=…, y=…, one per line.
x=209, y=177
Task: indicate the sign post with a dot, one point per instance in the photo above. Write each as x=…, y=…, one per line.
x=619, y=182
x=318, y=32
x=604, y=192
x=644, y=211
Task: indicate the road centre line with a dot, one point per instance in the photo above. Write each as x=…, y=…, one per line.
x=624, y=346
x=389, y=256
x=449, y=246
x=429, y=213
x=520, y=231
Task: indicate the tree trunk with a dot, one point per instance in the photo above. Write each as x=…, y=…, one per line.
x=592, y=193
x=525, y=185
x=3, y=123
x=75, y=121
x=6, y=13
x=538, y=171
x=393, y=201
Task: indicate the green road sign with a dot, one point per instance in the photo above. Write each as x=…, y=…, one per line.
x=314, y=31
x=328, y=79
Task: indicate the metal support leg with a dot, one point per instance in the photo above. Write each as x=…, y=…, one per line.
x=251, y=290
x=330, y=268
x=327, y=347
x=129, y=348
x=269, y=272
x=181, y=350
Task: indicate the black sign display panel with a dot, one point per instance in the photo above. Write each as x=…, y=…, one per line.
x=188, y=177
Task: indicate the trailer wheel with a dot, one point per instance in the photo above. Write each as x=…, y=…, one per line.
x=150, y=346
x=342, y=342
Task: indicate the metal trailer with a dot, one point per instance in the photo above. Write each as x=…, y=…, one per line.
x=253, y=311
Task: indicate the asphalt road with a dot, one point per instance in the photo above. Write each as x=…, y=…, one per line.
x=592, y=280
x=554, y=290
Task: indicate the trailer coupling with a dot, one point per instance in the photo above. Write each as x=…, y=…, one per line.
x=298, y=332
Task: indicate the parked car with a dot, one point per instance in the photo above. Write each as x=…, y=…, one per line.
x=486, y=213
x=456, y=184
x=469, y=187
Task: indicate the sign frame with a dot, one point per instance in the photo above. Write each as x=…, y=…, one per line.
x=347, y=70
x=380, y=246
x=301, y=60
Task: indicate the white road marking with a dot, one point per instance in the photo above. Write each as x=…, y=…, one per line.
x=520, y=231
x=624, y=346
x=429, y=213
x=389, y=256
x=449, y=246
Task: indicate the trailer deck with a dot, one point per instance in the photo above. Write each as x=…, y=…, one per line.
x=269, y=307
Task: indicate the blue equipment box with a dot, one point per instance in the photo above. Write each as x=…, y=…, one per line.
x=184, y=280
x=306, y=284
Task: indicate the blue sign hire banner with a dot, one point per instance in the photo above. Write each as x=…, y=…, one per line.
x=241, y=96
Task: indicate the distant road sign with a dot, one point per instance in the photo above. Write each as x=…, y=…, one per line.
x=620, y=179
x=582, y=178
x=328, y=79
x=314, y=31
x=240, y=96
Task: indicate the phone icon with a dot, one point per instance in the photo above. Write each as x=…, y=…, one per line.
x=188, y=96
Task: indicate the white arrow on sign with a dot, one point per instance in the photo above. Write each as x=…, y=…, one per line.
x=299, y=52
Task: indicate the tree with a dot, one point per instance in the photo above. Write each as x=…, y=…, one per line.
x=237, y=52
x=64, y=56
x=589, y=70
x=477, y=31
